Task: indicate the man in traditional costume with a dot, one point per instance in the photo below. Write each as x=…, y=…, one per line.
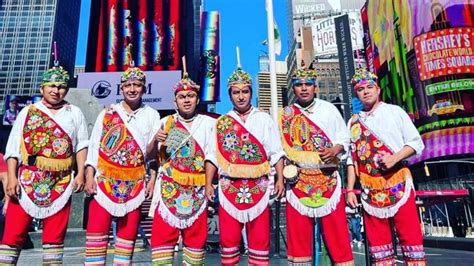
x=382, y=137
x=245, y=145
x=45, y=141
x=179, y=193
x=314, y=136
x=116, y=170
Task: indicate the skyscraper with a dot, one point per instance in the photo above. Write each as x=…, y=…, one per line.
x=263, y=83
x=28, y=29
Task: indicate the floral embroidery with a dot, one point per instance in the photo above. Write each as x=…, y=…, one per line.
x=120, y=157
x=184, y=204
x=136, y=159
x=230, y=141
x=363, y=150
x=27, y=177
x=244, y=195
x=198, y=163
x=248, y=151
x=40, y=139
x=42, y=192
x=224, y=124
x=34, y=122
x=60, y=146
x=168, y=189
x=355, y=132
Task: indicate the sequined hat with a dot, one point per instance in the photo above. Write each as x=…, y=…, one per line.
x=304, y=75
x=55, y=75
x=239, y=79
x=362, y=76
x=185, y=84
x=133, y=73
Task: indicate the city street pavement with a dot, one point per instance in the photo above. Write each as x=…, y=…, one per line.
x=75, y=256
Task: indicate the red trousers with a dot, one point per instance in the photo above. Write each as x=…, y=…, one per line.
x=300, y=231
x=97, y=233
x=164, y=237
x=407, y=226
x=17, y=223
x=258, y=235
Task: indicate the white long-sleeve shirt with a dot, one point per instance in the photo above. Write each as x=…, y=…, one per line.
x=326, y=116
x=262, y=127
x=393, y=126
x=143, y=124
x=70, y=118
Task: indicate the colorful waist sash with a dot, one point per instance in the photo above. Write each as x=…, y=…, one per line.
x=46, y=168
x=239, y=153
x=121, y=168
x=317, y=192
x=180, y=205
x=244, y=199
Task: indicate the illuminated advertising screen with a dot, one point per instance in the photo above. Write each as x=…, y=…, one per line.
x=145, y=31
x=210, y=59
x=423, y=53
x=13, y=106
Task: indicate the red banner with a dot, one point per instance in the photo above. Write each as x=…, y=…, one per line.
x=444, y=52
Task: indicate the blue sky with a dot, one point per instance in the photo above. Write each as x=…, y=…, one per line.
x=243, y=24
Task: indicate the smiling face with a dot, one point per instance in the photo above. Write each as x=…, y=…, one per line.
x=132, y=91
x=368, y=93
x=54, y=93
x=186, y=102
x=241, y=97
x=305, y=90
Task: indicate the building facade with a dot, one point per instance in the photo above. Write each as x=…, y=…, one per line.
x=263, y=83
x=28, y=29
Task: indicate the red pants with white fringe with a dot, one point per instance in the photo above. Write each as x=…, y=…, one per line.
x=407, y=227
x=17, y=223
x=164, y=237
x=258, y=235
x=300, y=231
x=97, y=235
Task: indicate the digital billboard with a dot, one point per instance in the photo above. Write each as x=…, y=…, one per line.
x=422, y=52
x=13, y=106
x=145, y=31
x=210, y=59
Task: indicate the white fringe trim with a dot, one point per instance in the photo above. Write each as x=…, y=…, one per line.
x=244, y=216
x=387, y=212
x=43, y=212
x=118, y=209
x=171, y=219
x=324, y=210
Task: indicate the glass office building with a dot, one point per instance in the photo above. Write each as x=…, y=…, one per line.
x=27, y=30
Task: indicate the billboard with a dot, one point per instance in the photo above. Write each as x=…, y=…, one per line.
x=210, y=59
x=304, y=10
x=145, y=31
x=105, y=86
x=13, y=105
x=324, y=34
x=422, y=52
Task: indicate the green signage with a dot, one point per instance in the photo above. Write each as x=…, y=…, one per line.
x=451, y=85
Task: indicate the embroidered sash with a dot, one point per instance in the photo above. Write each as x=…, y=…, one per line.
x=384, y=192
x=183, y=154
x=302, y=138
x=244, y=199
x=239, y=153
x=45, y=172
x=180, y=205
x=317, y=191
x=121, y=167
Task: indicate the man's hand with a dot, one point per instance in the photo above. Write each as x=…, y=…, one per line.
x=351, y=199
x=279, y=189
x=210, y=193
x=78, y=183
x=150, y=188
x=161, y=135
x=387, y=160
x=13, y=187
x=328, y=155
x=91, y=186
